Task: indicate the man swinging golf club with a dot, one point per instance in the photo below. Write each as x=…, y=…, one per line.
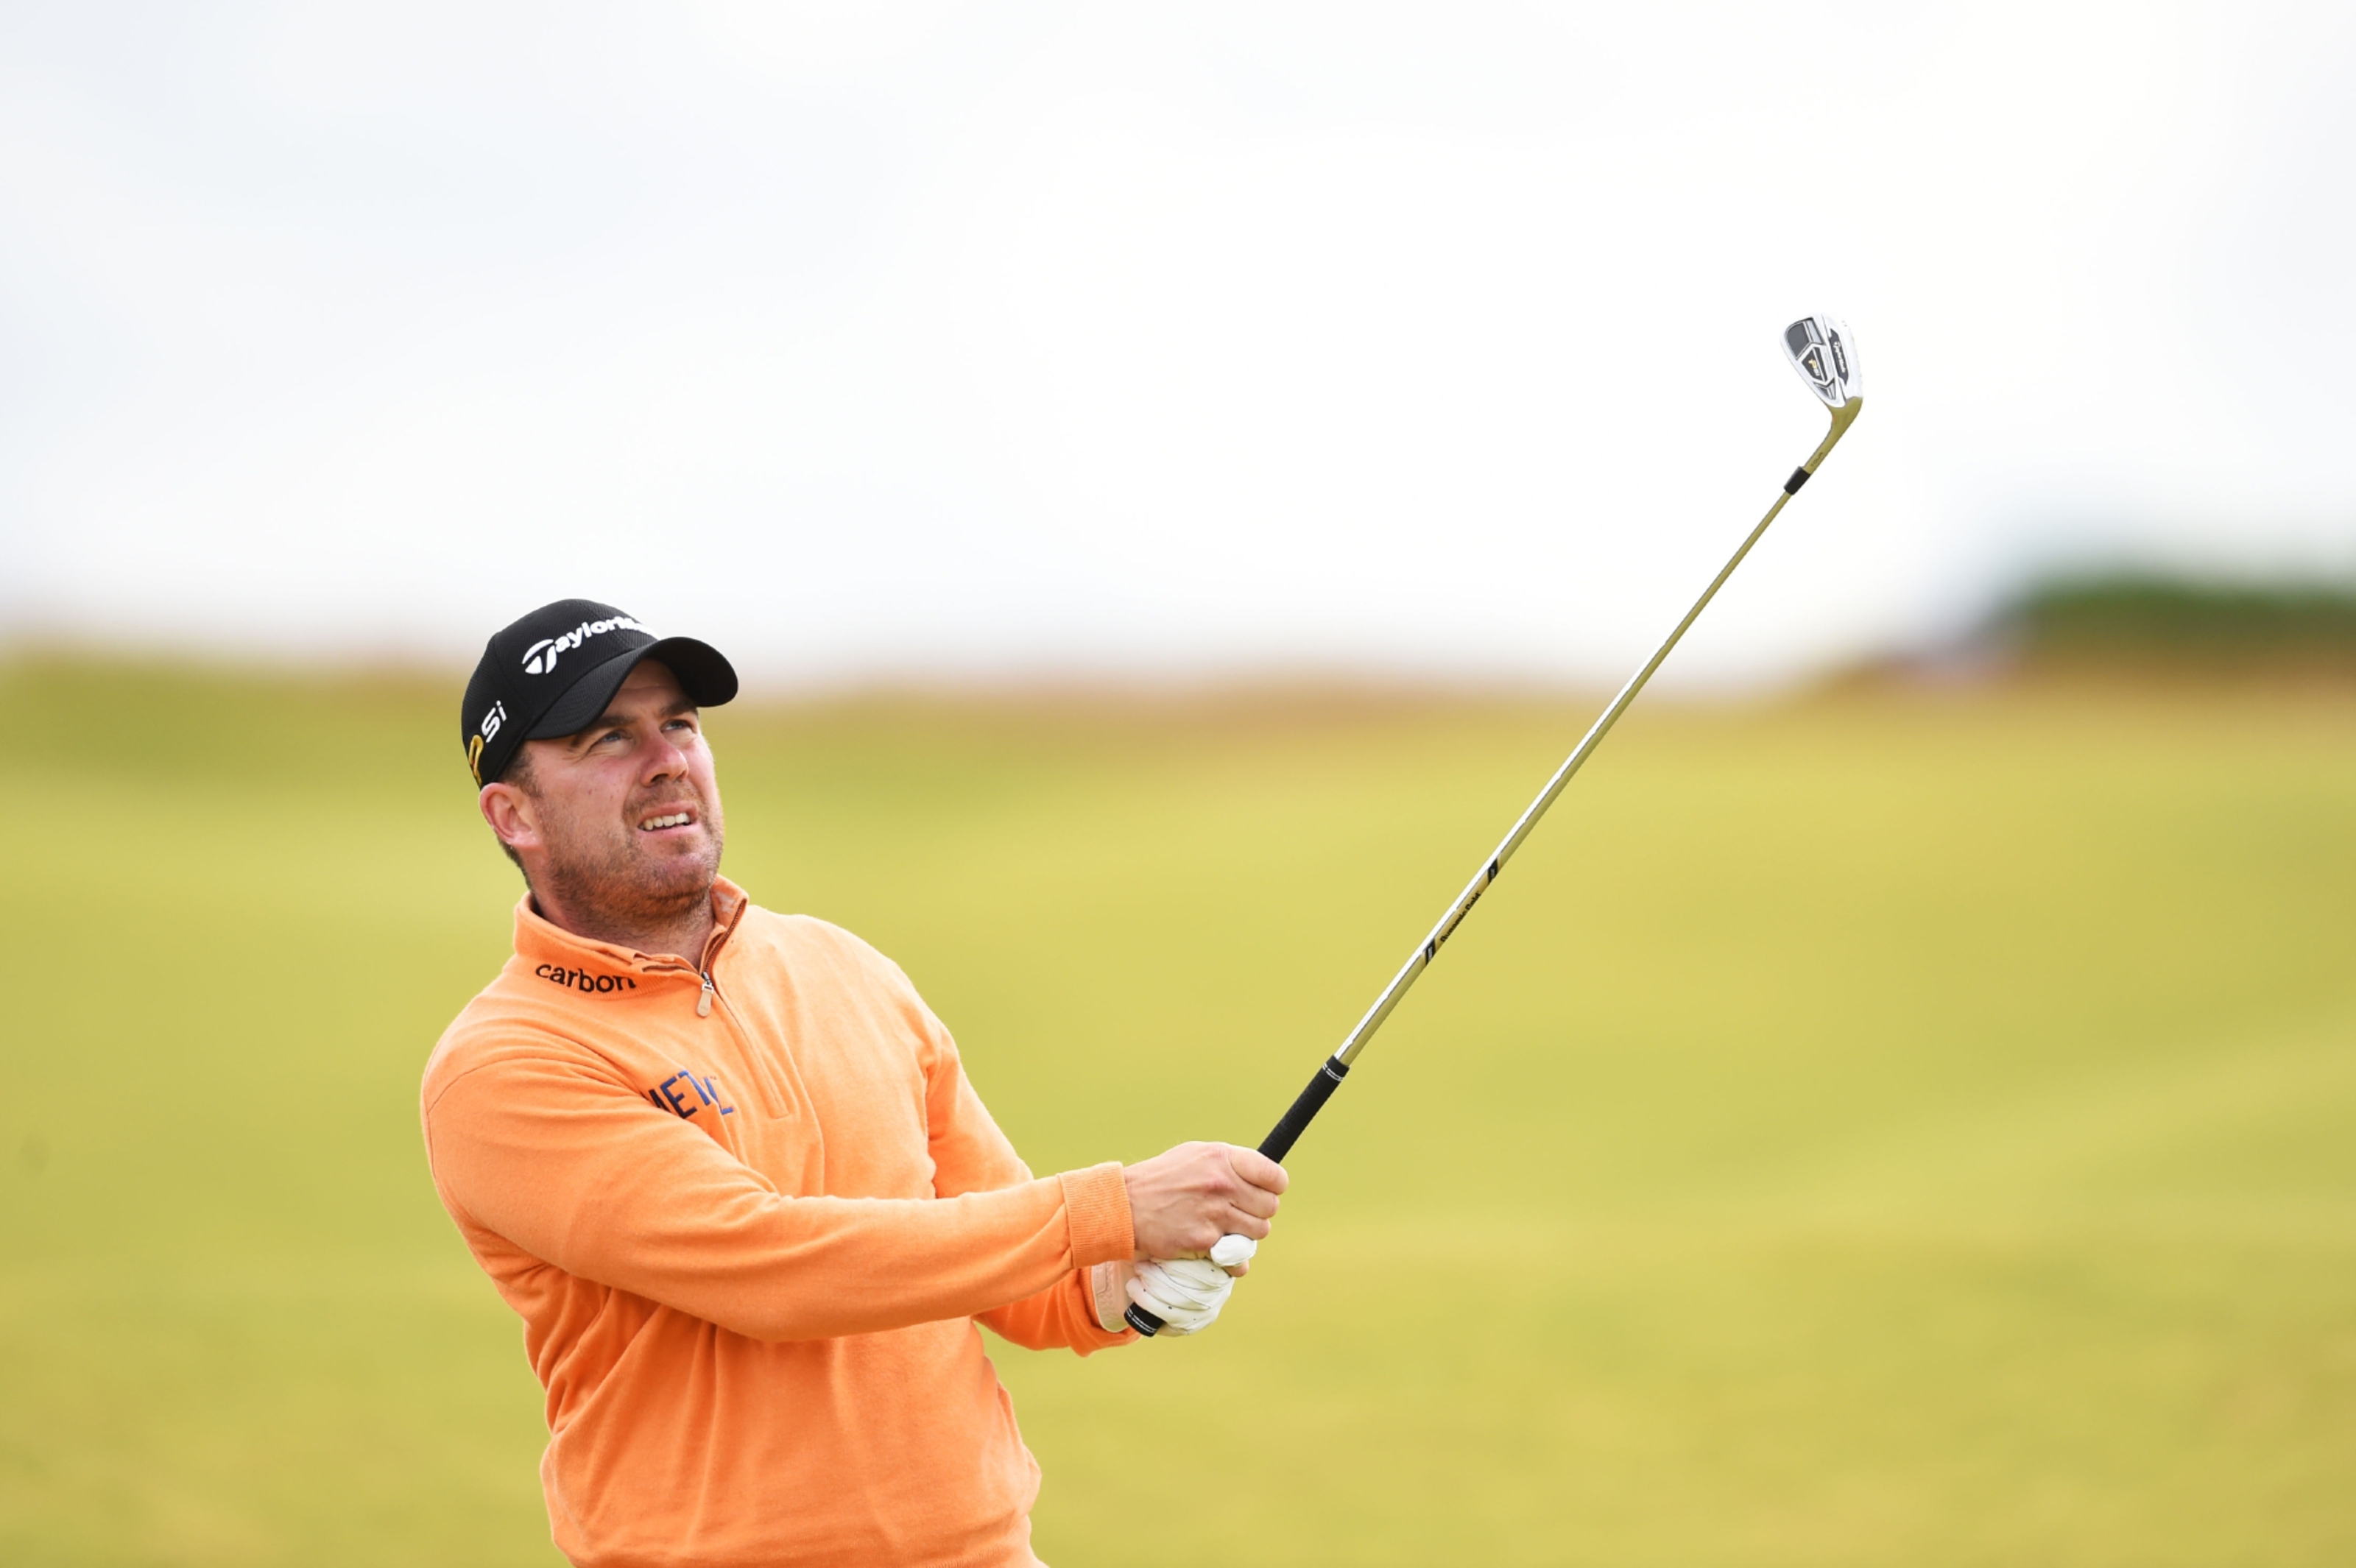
x=727, y=1168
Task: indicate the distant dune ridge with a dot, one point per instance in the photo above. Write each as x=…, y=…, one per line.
x=2141, y=623
x=2161, y=620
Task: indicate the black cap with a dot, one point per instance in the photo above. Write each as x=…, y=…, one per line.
x=552, y=672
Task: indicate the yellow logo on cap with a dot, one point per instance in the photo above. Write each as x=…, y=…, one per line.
x=482, y=737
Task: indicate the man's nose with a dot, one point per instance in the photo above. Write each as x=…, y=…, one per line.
x=665, y=759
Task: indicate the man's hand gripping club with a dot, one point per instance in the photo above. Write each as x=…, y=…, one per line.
x=1181, y=1204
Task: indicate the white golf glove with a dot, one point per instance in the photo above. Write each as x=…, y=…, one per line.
x=1186, y=1294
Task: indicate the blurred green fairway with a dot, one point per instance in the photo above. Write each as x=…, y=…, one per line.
x=1875, y=1129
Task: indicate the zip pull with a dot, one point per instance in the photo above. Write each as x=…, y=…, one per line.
x=704, y=1002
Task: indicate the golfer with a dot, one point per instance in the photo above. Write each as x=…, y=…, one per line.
x=726, y=1166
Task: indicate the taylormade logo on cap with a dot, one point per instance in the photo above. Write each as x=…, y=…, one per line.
x=541, y=657
x=527, y=687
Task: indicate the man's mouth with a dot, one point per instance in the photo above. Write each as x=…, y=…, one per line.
x=668, y=819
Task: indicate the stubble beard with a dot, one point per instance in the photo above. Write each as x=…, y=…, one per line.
x=608, y=878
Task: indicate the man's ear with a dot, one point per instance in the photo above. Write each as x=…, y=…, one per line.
x=513, y=816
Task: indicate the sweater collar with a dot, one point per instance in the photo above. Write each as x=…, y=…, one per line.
x=540, y=942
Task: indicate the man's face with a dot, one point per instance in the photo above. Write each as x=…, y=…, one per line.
x=623, y=818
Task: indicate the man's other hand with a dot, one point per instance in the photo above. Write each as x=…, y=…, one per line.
x=1182, y=1201
x=1186, y=1294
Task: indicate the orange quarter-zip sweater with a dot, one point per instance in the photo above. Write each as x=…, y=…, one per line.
x=750, y=1215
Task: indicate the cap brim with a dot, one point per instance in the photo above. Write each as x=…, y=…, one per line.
x=707, y=678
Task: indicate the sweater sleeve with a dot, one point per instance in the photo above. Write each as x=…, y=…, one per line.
x=1062, y=1317
x=545, y=1148
x=971, y=1155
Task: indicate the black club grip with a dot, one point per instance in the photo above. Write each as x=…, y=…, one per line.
x=1278, y=1142
x=1276, y=1145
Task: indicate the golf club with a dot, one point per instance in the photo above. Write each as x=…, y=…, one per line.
x=1821, y=350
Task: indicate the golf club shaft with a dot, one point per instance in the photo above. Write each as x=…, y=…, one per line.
x=1420, y=960
x=1330, y=1072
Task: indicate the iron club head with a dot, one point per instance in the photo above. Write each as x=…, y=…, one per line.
x=1822, y=351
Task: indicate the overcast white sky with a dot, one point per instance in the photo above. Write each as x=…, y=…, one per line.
x=965, y=341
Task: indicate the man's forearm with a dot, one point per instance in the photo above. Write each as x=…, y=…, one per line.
x=652, y=1206
x=1062, y=1317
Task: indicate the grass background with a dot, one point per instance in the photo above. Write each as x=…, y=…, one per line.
x=1884, y=1128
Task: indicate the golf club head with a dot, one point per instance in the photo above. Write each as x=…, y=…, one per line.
x=1822, y=351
